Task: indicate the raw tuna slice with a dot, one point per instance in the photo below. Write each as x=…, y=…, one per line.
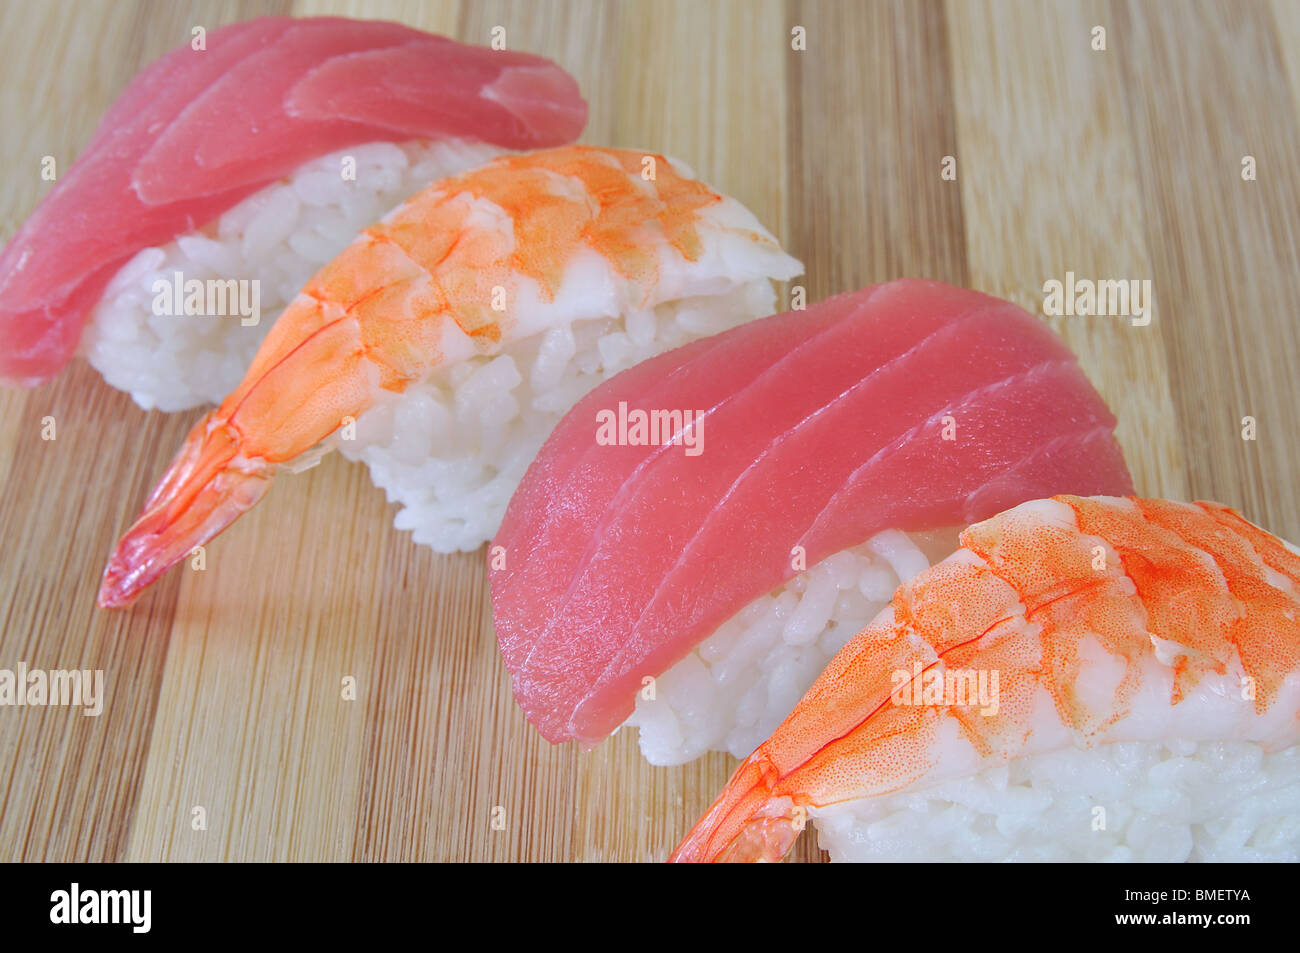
x=908, y=405
x=200, y=130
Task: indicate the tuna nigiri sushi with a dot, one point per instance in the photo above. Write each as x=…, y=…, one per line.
x=704, y=531
x=234, y=167
x=1085, y=679
x=446, y=341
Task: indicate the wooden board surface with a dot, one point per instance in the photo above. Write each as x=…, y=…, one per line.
x=224, y=685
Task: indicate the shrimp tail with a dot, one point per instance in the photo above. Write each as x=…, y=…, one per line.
x=205, y=489
x=747, y=823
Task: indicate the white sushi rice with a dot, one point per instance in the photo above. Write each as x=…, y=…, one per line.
x=279, y=236
x=734, y=688
x=1126, y=801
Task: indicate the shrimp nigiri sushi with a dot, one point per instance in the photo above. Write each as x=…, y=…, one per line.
x=693, y=583
x=229, y=171
x=446, y=341
x=1085, y=679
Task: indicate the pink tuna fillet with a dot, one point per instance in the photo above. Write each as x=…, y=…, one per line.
x=198, y=131
x=820, y=428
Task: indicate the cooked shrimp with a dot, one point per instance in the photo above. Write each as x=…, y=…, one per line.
x=468, y=265
x=1105, y=620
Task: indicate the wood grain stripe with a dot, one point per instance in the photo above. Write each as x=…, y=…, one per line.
x=871, y=118
x=1224, y=251
x=71, y=795
x=1045, y=152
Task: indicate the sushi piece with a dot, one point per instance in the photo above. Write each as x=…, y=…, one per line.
x=446, y=341
x=222, y=178
x=1085, y=679
x=803, y=465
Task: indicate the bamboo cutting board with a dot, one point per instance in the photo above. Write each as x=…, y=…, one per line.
x=224, y=685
